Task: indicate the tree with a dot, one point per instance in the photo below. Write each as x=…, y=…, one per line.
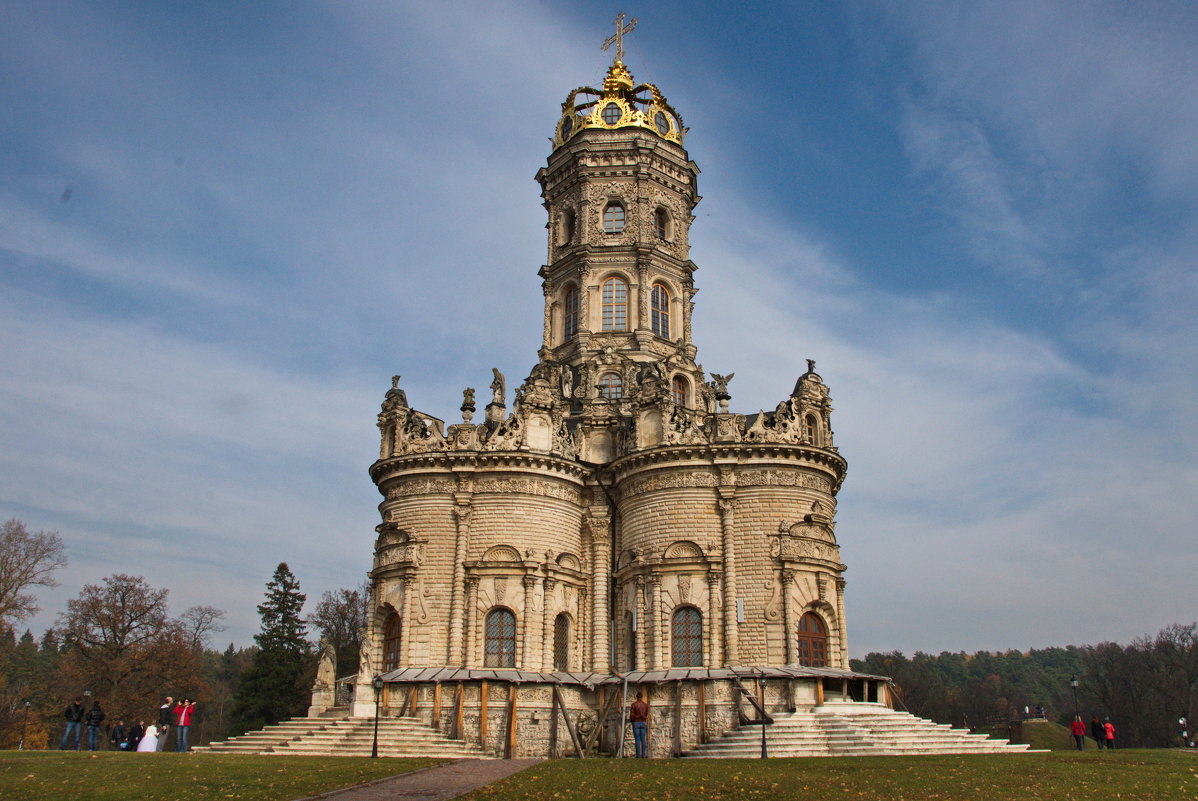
x=340, y=617
x=26, y=561
x=199, y=622
x=278, y=682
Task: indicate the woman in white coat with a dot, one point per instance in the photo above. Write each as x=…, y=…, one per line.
x=149, y=742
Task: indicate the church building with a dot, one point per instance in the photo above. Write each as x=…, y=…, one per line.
x=610, y=526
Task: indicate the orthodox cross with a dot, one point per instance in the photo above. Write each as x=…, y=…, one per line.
x=617, y=38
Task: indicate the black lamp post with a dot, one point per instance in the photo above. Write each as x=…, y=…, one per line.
x=378, y=688
x=761, y=681
x=1074, y=684
x=24, y=723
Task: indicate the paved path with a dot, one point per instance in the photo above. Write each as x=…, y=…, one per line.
x=438, y=783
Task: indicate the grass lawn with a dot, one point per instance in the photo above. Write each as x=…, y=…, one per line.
x=112, y=776
x=1091, y=776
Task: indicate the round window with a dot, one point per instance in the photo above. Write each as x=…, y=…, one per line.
x=663, y=125
x=612, y=114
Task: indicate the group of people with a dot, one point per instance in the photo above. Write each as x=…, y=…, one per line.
x=138, y=736
x=1103, y=732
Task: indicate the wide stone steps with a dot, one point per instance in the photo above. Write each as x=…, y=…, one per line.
x=347, y=737
x=851, y=730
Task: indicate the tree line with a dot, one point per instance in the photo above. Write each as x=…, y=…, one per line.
x=1145, y=687
x=117, y=643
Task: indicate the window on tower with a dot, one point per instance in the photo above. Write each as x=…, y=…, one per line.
x=611, y=386
x=500, y=638
x=567, y=228
x=613, y=217
x=679, y=388
x=812, y=641
x=570, y=312
x=561, y=642
x=391, y=640
x=688, y=637
x=660, y=305
x=661, y=224
x=614, y=297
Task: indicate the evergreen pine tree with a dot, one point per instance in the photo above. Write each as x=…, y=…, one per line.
x=277, y=683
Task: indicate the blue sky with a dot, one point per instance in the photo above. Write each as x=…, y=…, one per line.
x=224, y=226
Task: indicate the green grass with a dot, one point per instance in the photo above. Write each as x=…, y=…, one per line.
x=111, y=776
x=1140, y=775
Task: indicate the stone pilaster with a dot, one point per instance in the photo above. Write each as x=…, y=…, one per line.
x=547, y=621
x=600, y=590
x=529, y=649
x=715, y=619
x=641, y=617
x=840, y=622
x=727, y=507
x=661, y=627
x=471, y=624
x=787, y=577
x=455, y=653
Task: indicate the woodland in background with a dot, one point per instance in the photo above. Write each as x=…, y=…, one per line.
x=1144, y=687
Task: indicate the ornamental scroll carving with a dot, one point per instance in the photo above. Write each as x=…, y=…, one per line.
x=783, y=478
x=432, y=486
x=528, y=486
x=411, y=553
x=693, y=478
x=792, y=549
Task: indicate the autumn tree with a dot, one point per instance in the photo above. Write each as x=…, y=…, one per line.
x=277, y=684
x=339, y=618
x=27, y=560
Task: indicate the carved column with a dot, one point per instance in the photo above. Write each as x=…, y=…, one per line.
x=661, y=630
x=600, y=648
x=526, y=645
x=788, y=634
x=688, y=309
x=638, y=600
x=727, y=507
x=406, y=625
x=471, y=636
x=584, y=298
x=844, y=635
x=715, y=619
x=642, y=296
x=550, y=642
x=586, y=643
x=547, y=329
x=455, y=653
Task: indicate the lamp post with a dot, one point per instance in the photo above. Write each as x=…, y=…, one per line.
x=761, y=682
x=1073, y=684
x=377, y=684
x=27, y=702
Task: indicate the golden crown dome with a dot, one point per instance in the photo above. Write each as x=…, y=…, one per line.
x=622, y=103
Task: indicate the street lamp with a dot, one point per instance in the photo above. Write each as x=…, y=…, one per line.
x=1073, y=684
x=24, y=723
x=377, y=684
x=761, y=681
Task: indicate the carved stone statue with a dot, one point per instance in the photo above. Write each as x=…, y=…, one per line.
x=498, y=388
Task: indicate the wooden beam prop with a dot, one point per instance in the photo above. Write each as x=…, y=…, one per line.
x=437, y=706
x=509, y=741
x=459, y=694
x=676, y=748
x=557, y=699
x=482, y=714
x=702, y=712
x=605, y=705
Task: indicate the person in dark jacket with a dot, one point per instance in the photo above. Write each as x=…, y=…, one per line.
x=74, y=717
x=117, y=736
x=95, y=716
x=136, y=732
x=165, y=713
x=1098, y=732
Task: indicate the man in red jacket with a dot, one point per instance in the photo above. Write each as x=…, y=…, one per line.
x=1078, y=728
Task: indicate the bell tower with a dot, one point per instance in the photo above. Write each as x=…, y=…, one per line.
x=620, y=190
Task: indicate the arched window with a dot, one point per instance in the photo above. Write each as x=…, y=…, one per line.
x=661, y=224
x=391, y=639
x=500, y=638
x=660, y=305
x=613, y=217
x=614, y=297
x=688, y=637
x=567, y=231
x=561, y=642
x=680, y=389
x=812, y=641
x=611, y=386
x=631, y=619
x=812, y=429
x=570, y=312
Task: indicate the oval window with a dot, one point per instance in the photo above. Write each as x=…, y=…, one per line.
x=612, y=113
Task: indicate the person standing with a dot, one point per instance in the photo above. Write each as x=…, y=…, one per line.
x=1078, y=729
x=1109, y=730
x=74, y=716
x=183, y=713
x=638, y=713
x=95, y=716
x=164, y=723
x=1098, y=732
x=117, y=736
x=149, y=741
x=136, y=732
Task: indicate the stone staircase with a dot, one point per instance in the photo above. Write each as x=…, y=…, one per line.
x=398, y=737
x=852, y=729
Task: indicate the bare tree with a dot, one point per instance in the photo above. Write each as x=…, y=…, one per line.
x=26, y=561
x=340, y=617
x=199, y=622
